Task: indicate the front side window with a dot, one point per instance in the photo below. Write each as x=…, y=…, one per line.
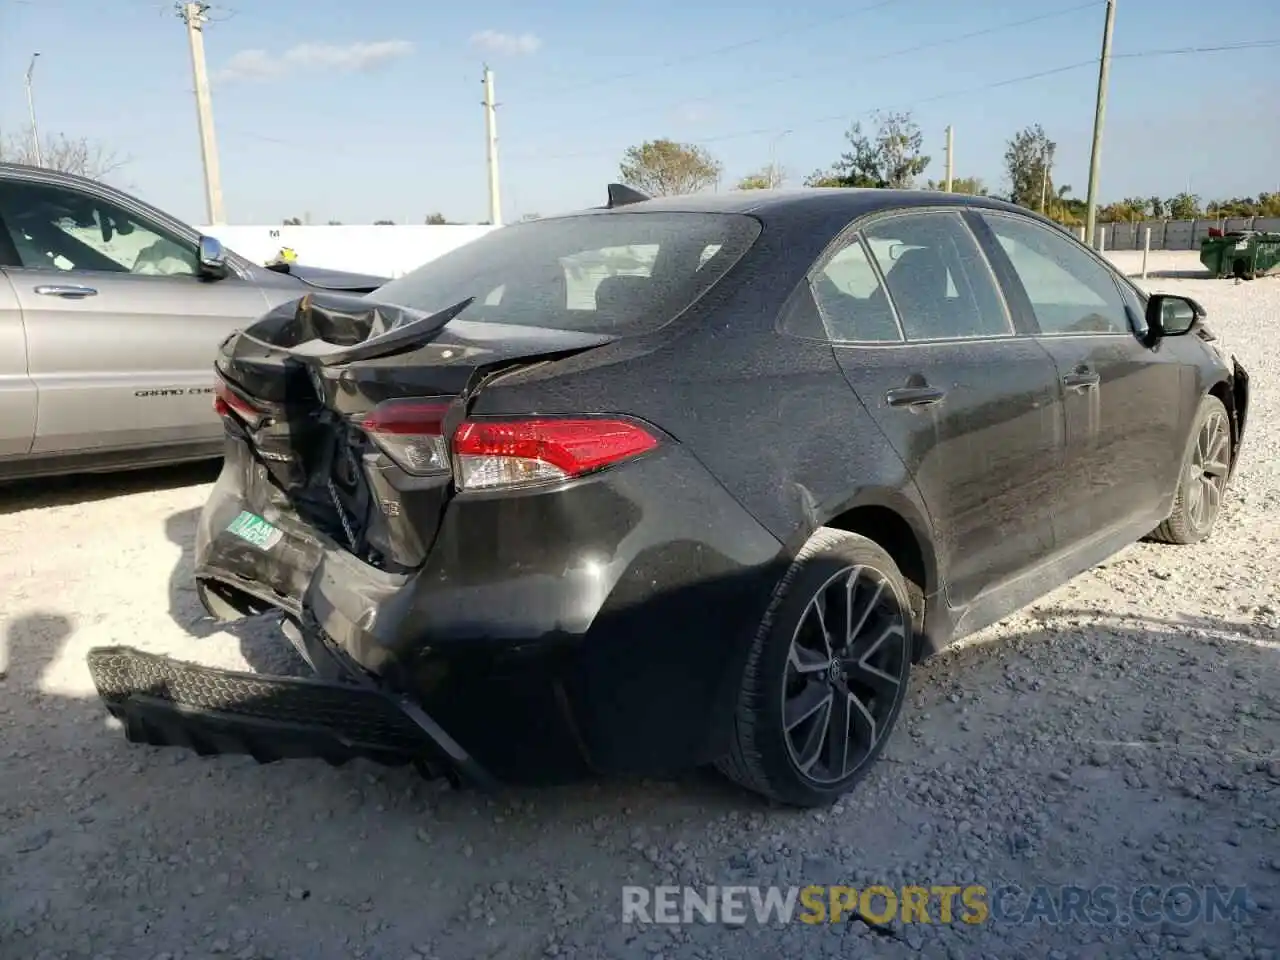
x=1070, y=292
x=938, y=277
x=54, y=228
x=617, y=272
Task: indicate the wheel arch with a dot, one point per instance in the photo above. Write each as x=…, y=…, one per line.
x=900, y=527
x=1225, y=391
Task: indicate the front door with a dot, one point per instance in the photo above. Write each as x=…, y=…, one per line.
x=1123, y=399
x=121, y=332
x=924, y=337
x=17, y=392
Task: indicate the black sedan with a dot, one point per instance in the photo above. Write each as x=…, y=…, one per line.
x=678, y=481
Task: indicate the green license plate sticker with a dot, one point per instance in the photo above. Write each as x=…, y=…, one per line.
x=252, y=528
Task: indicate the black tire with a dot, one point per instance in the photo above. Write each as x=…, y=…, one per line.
x=1202, y=478
x=873, y=670
x=1240, y=271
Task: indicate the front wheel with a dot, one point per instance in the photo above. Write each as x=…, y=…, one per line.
x=826, y=674
x=1202, y=484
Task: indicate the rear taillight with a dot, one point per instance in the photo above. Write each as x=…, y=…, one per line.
x=513, y=453
x=226, y=403
x=411, y=432
x=495, y=454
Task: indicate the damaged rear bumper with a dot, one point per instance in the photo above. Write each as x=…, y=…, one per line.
x=165, y=702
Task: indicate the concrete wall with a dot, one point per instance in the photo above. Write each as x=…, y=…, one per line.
x=1175, y=234
x=385, y=250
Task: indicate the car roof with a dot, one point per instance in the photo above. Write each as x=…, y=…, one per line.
x=28, y=171
x=805, y=202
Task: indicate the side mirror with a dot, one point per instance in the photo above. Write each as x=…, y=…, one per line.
x=1172, y=316
x=212, y=258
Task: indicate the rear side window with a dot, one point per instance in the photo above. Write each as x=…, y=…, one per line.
x=851, y=301
x=1070, y=292
x=619, y=273
x=938, y=277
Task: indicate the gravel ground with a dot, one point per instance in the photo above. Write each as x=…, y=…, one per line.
x=1124, y=730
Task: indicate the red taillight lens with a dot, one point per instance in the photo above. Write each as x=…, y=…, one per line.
x=411, y=432
x=226, y=403
x=493, y=454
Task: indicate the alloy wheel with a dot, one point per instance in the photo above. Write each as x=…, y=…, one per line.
x=845, y=674
x=1207, y=471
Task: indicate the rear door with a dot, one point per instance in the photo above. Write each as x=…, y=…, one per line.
x=923, y=335
x=121, y=333
x=1123, y=400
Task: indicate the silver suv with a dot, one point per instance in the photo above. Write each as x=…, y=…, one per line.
x=111, y=313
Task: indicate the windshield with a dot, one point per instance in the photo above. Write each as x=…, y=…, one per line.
x=616, y=273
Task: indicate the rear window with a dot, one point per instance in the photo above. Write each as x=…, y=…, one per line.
x=617, y=273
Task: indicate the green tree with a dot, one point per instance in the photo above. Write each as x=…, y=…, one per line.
x=1028, y=163
x=292, y=221
x=972, y=186
x=662, y=168
x=435, y=220
x=768, y=178
x=888, y=158
x=825, y=178
x=1126, y=211
x=1185, y=206
x=384, y=223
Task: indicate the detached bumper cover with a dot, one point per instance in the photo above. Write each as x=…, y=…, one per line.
x=164, y=702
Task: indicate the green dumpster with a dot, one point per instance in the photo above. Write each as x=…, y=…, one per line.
x=1244, y=254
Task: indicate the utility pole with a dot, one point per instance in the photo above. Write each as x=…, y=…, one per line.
x=31, y=107
x=491, y=136
x=951, y=156
x=775, y=175
x=194, y=15
x=1099, y=116
x=1044, y=177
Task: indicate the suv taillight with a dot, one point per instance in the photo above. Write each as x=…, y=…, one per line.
x=497, y=454
x=226, y=402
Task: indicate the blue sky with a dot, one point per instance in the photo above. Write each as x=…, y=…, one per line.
x=363, y=111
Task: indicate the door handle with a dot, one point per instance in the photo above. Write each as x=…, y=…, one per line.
x=914, y=396
x=67, y=292
x=1081, y=380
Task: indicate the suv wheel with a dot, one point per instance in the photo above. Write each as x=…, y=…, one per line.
x=1202, y=484
x=826, y=674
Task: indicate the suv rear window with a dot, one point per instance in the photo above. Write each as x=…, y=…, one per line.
x=617, y=273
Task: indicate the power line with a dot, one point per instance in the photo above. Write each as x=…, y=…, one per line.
x=1007, y=82
x=818, y=121
x=718, y=51
x=862, y=61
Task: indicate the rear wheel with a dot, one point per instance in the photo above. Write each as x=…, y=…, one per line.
x=1202, y=485
x=826, y=674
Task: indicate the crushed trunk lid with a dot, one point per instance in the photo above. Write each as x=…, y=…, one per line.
x=312, y=369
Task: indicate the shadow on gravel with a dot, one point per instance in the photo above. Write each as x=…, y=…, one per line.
x=16, y=496
x=1062, y=754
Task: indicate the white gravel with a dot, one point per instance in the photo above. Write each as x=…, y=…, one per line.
x=1123, y=730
